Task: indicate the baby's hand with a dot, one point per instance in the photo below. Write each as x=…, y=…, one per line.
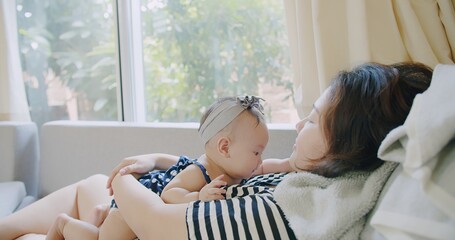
x=213, y=190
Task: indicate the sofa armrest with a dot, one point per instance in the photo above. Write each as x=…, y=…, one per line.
x=19, y=157
x=11, y=195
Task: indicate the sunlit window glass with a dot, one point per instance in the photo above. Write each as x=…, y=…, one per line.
x=69, y=58
x=197, y=51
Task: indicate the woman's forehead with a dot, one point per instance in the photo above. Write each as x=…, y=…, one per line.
x=321, y=102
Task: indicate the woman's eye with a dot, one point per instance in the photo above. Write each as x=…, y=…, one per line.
x=256, y=153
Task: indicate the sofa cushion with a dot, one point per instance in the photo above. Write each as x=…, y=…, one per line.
x=11, y=196
x=419, y=201
x=406, y=210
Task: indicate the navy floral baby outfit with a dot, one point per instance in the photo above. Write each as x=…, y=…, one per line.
x=158, y=179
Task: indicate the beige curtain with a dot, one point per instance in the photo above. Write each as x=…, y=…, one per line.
x=13, y=102
x=329, y=35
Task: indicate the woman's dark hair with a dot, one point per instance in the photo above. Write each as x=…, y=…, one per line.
x=364, y=105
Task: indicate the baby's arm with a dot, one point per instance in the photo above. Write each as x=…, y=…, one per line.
x=190, y=185
x=273, y=165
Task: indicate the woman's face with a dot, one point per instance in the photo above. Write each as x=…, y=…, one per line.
x=310, y=142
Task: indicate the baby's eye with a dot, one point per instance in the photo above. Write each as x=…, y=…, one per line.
x=256, y=153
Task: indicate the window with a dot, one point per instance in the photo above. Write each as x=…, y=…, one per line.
x=173, y=58
x=68, y=54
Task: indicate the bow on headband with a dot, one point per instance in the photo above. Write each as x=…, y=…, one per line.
x=248, y=102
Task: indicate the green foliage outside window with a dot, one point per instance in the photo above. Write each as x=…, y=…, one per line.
x=75, y=42
x=194, y=52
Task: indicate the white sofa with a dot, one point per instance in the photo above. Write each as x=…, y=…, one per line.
x=19, y=159
x=416, y=203
x=74, y=150
x=71, y=151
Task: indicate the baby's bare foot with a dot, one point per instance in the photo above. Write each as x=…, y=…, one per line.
x=99, y=214
x=56, y=230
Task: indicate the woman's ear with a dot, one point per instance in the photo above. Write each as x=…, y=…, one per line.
x=223, y=146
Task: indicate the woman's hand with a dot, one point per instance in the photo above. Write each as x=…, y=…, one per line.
x=213, y=190
x=141, y=164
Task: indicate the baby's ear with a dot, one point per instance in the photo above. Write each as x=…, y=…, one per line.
x=223, y=146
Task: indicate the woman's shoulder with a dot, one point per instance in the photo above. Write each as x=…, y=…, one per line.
x=270, y=179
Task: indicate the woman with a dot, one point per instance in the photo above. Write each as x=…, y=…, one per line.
x=339, y=138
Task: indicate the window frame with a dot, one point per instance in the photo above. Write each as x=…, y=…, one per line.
x=130, y=71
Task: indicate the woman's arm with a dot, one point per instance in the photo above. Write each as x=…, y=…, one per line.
x=138, y=165
x=273, y=165
x=144, y=211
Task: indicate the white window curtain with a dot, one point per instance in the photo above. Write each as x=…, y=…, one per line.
x=13, y=102
x=327, y=36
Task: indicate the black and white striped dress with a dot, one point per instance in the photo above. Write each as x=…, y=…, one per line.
x=248, y=212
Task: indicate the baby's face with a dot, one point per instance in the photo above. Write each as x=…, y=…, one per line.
x=248, y=141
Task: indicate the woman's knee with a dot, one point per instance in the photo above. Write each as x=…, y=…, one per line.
x=97, y=178
x=94, y=182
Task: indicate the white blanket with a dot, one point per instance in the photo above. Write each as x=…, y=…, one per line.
x=330, y=208
x=421, y=201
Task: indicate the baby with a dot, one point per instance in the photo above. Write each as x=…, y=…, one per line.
x=235, y=135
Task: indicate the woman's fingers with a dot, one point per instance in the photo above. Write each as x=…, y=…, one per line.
x=128, y=169
x=123, y=168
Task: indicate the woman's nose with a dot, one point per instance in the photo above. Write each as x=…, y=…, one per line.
x=300, y=124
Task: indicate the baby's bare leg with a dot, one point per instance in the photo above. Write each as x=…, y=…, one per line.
x=114, y=227
x=66, y=227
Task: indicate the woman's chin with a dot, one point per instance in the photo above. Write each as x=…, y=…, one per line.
x=292, y=162
x=297, y=163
